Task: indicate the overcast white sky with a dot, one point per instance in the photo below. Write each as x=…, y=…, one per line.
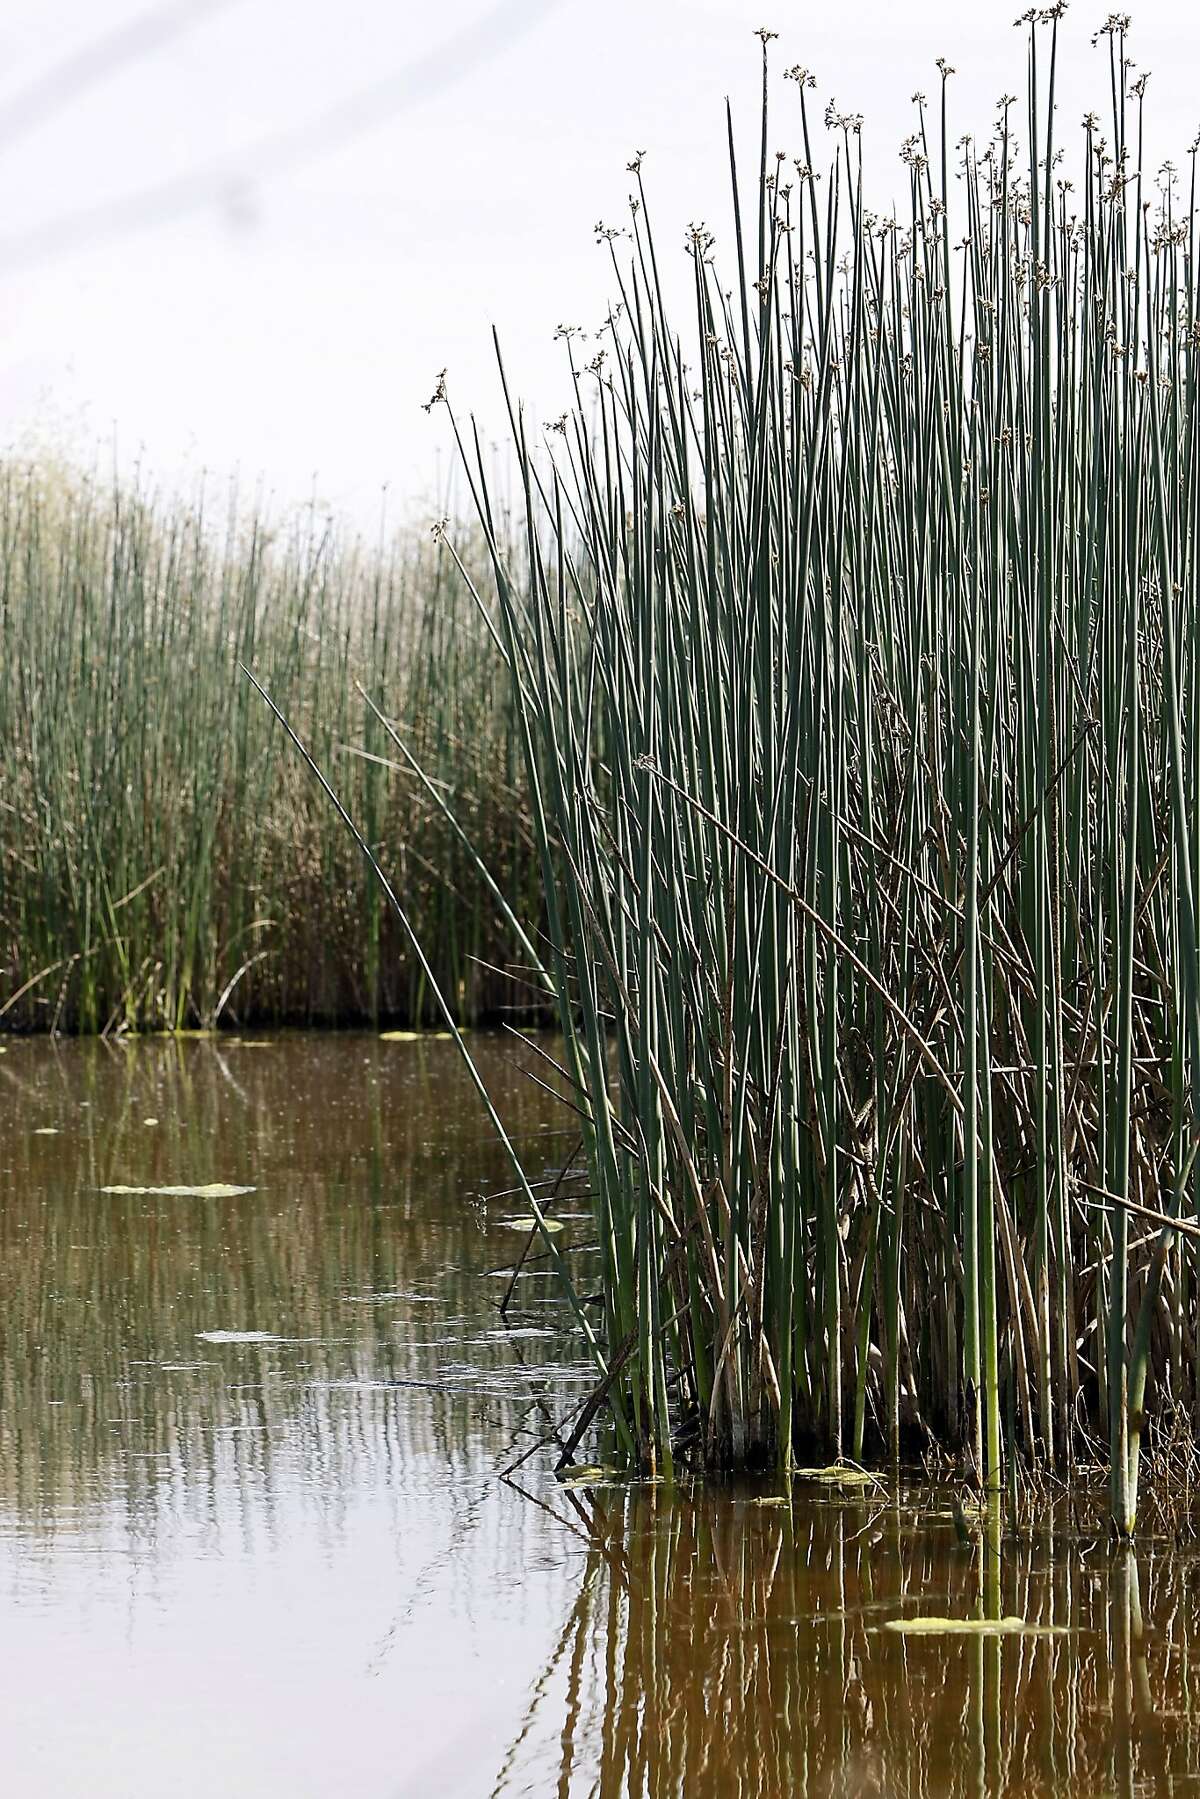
x=249, y=233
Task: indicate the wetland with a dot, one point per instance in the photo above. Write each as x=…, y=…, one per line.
x=254, y=1537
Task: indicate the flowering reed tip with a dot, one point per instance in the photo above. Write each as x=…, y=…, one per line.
x=438, y=396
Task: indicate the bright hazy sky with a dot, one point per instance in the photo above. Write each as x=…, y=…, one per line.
x=247, y=234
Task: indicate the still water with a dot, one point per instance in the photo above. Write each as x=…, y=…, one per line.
x=253, y=1542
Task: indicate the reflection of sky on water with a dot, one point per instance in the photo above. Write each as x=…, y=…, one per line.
x=252, y=1541
x=262, y=1566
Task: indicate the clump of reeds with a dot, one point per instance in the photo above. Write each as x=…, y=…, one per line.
x=857, y=673
x=164, y=861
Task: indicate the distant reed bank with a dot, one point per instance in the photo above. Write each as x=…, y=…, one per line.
x=165, y=860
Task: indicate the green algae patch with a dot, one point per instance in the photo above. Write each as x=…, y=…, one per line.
x=970, y=1627
x=600, y=1478
x=837, y=1475
x=588, y=1477
x=416, y=1036
x=213, y=1190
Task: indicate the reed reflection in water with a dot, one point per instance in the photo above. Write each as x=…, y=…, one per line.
x=251, y=1538
x=724, y=1646
x=283, y=1564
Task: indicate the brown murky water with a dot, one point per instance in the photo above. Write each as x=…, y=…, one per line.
x=252, y=1542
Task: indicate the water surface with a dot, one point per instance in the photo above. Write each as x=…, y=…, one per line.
x=253, y=1539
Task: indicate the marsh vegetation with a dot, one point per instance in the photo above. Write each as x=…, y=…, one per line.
x=164, y=861
x=855, y=658
x=818, y=740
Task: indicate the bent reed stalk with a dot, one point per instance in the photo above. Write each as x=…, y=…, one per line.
x=857, y=678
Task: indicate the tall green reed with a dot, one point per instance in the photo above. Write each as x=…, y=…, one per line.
x=163, y=861
x=853, y=641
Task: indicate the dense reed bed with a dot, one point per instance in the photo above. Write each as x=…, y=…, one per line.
x=857, y=675
x=164, y=862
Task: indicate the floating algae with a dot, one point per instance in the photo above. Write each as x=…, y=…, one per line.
x=971, y=1627
x=214, y=1190
x=837, y=1475
x=412, y=1036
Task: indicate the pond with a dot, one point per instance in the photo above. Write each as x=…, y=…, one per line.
x=254, y=1539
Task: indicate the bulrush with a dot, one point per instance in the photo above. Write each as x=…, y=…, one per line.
x=857, y=675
